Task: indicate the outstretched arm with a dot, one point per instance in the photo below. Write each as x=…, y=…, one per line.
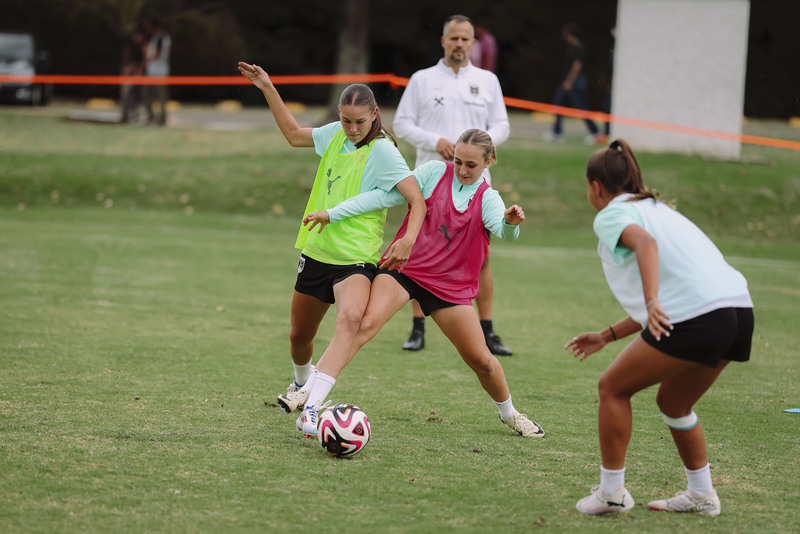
x=292, y=131
x=586, y=344
x=373, y=200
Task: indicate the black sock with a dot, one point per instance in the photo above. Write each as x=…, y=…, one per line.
x=419, y=325
x=487, y=327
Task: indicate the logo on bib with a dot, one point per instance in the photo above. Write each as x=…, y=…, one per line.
x=443, y=230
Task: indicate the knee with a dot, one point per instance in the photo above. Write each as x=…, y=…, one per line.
x=298, y=337
x=607, y=389
x=368, y=329
x=672, y=406
x=348, y=319
x=484, y=365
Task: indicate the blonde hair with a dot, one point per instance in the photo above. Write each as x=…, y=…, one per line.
x=480, y=139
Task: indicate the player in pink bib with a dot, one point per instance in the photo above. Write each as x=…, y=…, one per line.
x=442, y=270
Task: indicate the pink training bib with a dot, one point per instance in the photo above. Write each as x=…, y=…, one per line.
x=451, y=246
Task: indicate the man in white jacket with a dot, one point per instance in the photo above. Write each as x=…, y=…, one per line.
x=439, y=104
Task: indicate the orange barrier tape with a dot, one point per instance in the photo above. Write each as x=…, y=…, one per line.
x=394, y=81
x=306, y=79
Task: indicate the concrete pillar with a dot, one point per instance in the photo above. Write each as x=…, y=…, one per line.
x=681, y=62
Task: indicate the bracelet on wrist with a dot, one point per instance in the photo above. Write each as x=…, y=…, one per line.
x=613, y=334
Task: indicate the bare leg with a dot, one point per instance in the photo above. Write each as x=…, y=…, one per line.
x=352, y=295
x=462, y=328
x=637, y=367
x=306, y=316
x=676, y=397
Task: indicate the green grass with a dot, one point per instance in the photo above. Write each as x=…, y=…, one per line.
x=142, y=342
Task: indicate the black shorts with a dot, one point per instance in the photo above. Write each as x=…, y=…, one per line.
x=724, y=334
x=427, y=300
x=317, y=279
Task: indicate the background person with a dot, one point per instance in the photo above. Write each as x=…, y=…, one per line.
x=132, y=65
x=338, y=267
x=156, y=63
x=572, y=90
x=695, y=314
x=441, y=273
x=438, y=104
x=484, y=52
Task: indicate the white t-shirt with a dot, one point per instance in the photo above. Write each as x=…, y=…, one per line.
x=438, y=103
x=694, y=278
x=160, y=44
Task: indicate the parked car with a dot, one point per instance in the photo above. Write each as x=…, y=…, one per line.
x=18, y=55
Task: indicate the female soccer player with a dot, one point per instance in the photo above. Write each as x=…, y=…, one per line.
x=356, y=157
x=441, y=273
x=695, y=314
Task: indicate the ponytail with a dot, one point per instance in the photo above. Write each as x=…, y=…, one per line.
x=618, y=171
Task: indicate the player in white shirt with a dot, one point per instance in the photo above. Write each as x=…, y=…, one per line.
x=695, y=314
x=439, y=104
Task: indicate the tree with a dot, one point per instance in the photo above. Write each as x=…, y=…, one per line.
x=352, y=52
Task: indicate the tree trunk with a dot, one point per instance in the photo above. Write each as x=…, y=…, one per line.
x=352, y=57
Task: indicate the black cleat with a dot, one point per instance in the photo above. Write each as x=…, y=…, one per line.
x=495, y=346
x=416, y=341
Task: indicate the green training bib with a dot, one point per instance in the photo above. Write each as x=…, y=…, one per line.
x=354, y=239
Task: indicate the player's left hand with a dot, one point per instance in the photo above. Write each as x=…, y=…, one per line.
x=514, y=215
x=321, y=218
x=396, y=256
x=586, y=344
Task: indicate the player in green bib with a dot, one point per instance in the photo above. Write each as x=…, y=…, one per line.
x=338, y=267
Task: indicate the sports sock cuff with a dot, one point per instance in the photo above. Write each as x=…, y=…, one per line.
x=506, y=408
x=301, y=373
x=419, y=324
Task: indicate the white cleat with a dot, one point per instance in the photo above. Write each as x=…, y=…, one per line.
x=620, y=502
x=688, y=502
x=524, y=426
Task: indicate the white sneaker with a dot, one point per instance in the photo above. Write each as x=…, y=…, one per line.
x=550, y=137
x=620, y=502
x=310, y=420
x=292, y=389
x=524, y=426
x=300, y=419
x=293, y=399
x=686, y=501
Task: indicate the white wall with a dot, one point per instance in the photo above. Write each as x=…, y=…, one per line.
x=681, y=62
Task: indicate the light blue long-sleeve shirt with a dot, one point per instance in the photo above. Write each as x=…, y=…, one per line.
x=427, y=177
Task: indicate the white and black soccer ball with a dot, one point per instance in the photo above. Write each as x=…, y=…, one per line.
x=343, y=430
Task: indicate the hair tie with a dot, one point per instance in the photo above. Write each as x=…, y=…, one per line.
x=618, y=147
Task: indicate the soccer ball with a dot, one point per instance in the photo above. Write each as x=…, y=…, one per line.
x=343, y=430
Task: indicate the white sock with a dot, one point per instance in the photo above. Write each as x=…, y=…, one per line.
x=700, y=480
x=506, y=409
x=301, y=373
x=610, y=479
x=320, y=389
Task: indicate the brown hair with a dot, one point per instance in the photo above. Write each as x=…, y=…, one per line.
x=618, y=171
x=480, y=139
x=360, y=95
x=457, y=19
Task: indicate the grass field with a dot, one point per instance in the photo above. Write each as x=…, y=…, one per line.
x=145, y=281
